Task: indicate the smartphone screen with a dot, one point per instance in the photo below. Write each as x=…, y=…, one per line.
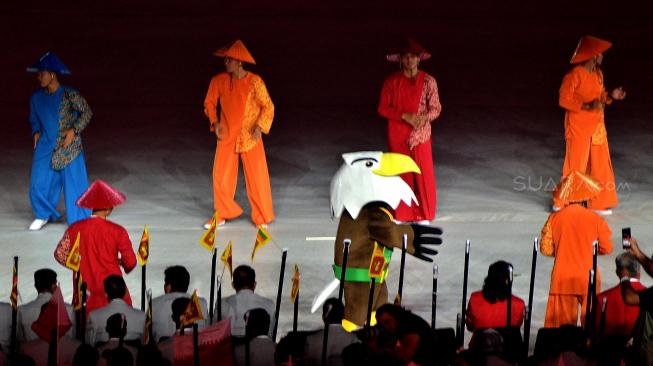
x=625, y=237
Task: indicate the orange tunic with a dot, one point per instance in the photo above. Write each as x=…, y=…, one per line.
x=242, y=104
x=568, y=236
x=587, y=148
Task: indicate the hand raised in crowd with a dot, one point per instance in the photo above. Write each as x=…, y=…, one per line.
x=618, y=94
x=37, y=136
x=68, y=137
x=642, y=258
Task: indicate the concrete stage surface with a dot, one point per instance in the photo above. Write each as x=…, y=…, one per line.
x=498, y=146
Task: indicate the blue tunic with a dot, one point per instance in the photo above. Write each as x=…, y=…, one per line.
x=48, y=116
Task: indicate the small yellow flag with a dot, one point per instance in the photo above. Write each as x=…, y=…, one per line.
x=377, y=264
x=262, y=238
x=294, y=293
x=193, y=311
x=227, y=259
x=74, y=257
x=144, y=247
x=208, y=239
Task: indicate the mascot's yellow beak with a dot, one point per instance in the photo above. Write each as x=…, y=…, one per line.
x=393, y=164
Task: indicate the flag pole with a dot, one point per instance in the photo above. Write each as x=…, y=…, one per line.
x=325, y=344
x=14, y=307
x=150, y=325
x=604, y=308
x=509, y=305
x=212, y=296
x=463, y=313
x=529, y=315
x=196, y=345
x=434, y=295
x=82, y=314
x=400, y=290
x=279, y=292
x=143, y=285
x=219, y=303
x=295, y=314
x=588, y=306
x=345, y=253
x=370, y=302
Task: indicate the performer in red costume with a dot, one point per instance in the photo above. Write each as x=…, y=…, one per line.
x=410, y=102
x=101, y=243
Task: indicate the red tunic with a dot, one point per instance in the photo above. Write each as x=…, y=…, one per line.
x=619, y=317
x=100, y=243
x=483, y=314
x=420, y=96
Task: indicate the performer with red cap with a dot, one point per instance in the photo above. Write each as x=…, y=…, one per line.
x=101, y=243
x=239, y=109
x=410, y=102
x=583, y=96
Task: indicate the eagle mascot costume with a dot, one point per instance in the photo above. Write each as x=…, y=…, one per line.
x=364, y=192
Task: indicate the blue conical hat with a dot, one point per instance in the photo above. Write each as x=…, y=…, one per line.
x=49, y=62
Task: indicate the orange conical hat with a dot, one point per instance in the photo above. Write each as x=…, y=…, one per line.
x=237, y=51
x=101, y=195
x=577, y=187
x=589, y=47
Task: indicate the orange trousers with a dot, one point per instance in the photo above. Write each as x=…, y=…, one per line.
x=594, y=160
x=563, y=309
x=257, y=181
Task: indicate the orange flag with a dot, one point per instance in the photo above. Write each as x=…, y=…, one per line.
x=227, y=258
x=295, y=285
x=208, y=238
x=262, y=238
x=193, y=311
x=377, y=264
x=14, y=288
x=74, y=257
x=144, y=247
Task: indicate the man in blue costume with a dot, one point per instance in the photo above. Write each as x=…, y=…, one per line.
x=58, y=114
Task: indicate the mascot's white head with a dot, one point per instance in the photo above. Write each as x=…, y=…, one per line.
x=369, y=176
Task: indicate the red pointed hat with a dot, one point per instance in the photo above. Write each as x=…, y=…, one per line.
x=100, y=195
x=589, y=47
x=408, y=46
x=237, y=51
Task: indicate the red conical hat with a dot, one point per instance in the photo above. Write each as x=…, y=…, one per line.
x=408, y=46
x=577, y=187
x=237, y=51
x=100, y=195
x=589, y=47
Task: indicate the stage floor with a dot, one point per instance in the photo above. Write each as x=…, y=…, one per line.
x=497, y=158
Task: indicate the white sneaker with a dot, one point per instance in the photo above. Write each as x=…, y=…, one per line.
x=263, y=226
x=424, y=222
x=208, y=224
x=555, y=208
x=604, y=212
x=37, y=224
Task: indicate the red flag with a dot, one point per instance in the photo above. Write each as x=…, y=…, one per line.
x=53, y=316
x=214, y=344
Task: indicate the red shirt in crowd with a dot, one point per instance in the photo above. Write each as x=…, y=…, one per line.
x=483, y=314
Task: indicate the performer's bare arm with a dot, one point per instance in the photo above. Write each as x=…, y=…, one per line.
x=645, y=261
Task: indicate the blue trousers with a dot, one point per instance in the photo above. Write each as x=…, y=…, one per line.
x=46, y=185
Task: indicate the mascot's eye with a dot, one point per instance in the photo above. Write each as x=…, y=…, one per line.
x=369, y=164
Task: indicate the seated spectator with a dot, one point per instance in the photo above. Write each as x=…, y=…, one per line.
x=566, y=345
x=235, y=306
x=290, y=350
x=488, y=308
x=39, y=349
x=257, y=343
x=415, y=341
x=19, y=359
x=119, y=356
x=485, y=348
x=150, y=355
x=176, y=282
x=5, y=325
x=45, y=282
x=619, y=317
x=333, y=311
x=86, y=355
x=166, y=345
x=115, y=289
x=117, y=329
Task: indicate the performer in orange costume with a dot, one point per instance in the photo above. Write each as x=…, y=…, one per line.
x=568, y=236
x=583, y=96
x=239, y=109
